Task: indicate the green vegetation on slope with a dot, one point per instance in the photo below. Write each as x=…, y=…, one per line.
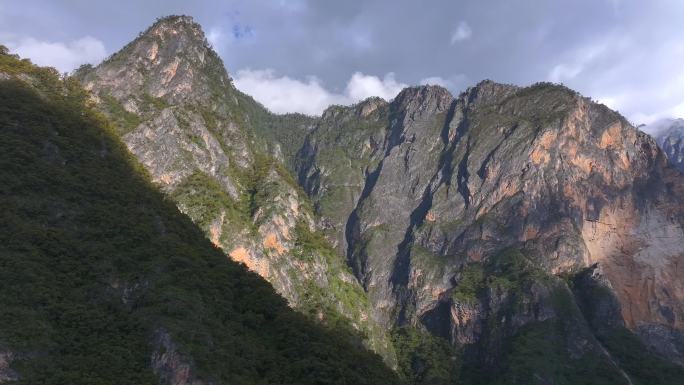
x=643, y=366
x=540, y=351
x=94, y=261
x=125, y=121
x=598, y=303
x=562, y=346
x=425, y=359
x=341, y=304
x=202, y=197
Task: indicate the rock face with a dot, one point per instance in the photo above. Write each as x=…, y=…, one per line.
x=669, y=134
x=202, y=141
x=427, y=186
x=169, y=365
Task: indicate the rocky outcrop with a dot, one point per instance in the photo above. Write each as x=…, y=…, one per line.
x=164, y=88
x=6, y=372
x=169, y=365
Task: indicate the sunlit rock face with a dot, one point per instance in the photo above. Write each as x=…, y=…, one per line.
x=418, y=189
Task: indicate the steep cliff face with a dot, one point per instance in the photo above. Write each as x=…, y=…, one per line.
x=669, y=134
x=430, y=189
x=205, y=143
x=104, y=281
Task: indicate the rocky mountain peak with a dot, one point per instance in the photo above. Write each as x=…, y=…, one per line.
x=488, y=91
x=181, y=35
x=368, y=106
x=176, y=21
x=362, y=109
x=172, y=60
x=430, y=98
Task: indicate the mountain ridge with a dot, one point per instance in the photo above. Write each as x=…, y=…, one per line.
x=505, y=235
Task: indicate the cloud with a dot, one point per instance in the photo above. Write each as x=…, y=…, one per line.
x=581, y=58
x=461, y=33
x=282, y=94
x=221, y=37
x=644, y=85
x=658, y=126
x=362, y=86
x=564, y=72
x=522, y=43
x=455, y=83
x=215, y=37
x=65, y=57
x=240, y=31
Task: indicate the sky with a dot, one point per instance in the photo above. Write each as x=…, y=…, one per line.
x=303, y=55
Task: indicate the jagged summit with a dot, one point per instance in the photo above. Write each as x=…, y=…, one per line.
x=363, y=108
x=177, y=19
x=426, y=97
x=172, y=60
x=175, y=26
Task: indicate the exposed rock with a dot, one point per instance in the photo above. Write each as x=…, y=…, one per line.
x=7, y=374
x=171, y=366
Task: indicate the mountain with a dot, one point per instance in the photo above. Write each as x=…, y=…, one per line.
x=509, y=235
x=104, y=281
x=203, y=142
x=669, y=133
x=536, y=230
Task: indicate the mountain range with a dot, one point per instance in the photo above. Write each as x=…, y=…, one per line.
x=163, y=227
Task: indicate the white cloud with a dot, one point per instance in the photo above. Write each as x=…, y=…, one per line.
x=578, y=61
x=282, y=94
x=63, y=56
x=676, y=111
x=362, y=86
x=564, y=72
x=455, y=83
x=644, y=85
x=215, y=38
x=461, y=33
x=436, y=81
